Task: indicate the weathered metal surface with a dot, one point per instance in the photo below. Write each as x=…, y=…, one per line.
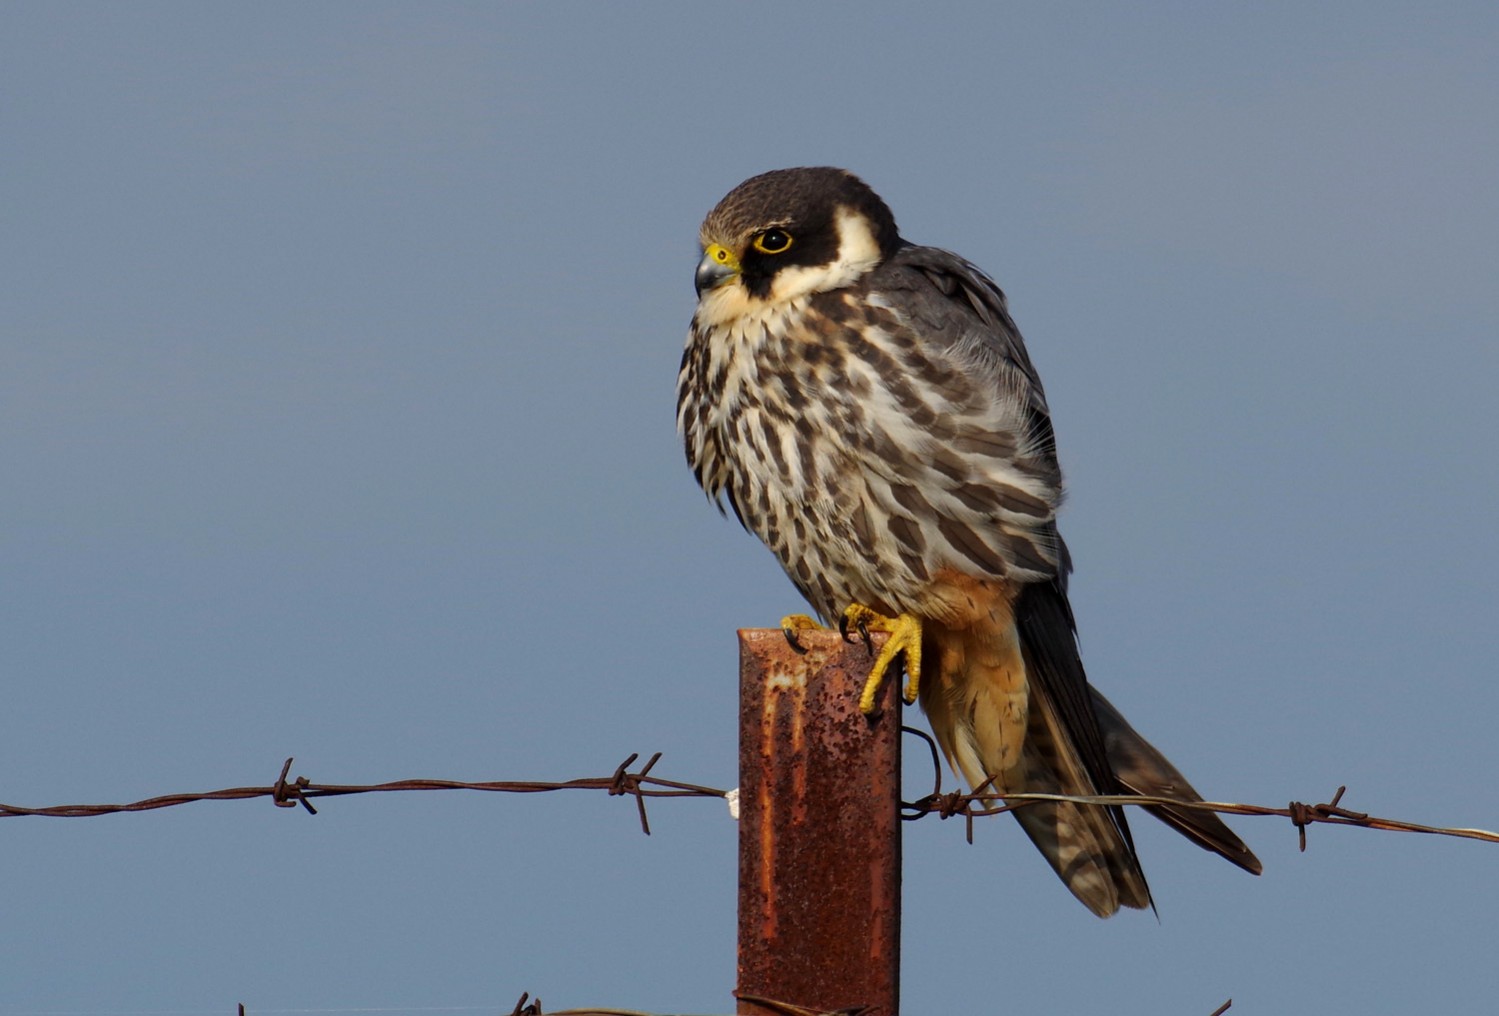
x=819, y=828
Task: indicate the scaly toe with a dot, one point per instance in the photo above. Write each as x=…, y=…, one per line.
x=792, y=623
x=905, y=637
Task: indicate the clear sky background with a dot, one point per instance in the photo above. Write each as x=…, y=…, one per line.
x=337, y=354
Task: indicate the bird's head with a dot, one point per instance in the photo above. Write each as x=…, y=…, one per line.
x=790, y=233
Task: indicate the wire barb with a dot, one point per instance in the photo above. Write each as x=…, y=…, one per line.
x=626, y=782
x=287, y=792
x=982, y=801
x=289, y=796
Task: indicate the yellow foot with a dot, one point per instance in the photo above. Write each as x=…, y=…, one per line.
x=905, y=637
x=792, y=623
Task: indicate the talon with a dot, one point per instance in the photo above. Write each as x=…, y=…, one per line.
x=905, y=639
x=789, y=625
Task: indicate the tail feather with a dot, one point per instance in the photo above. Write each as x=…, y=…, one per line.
x=995, y=712
x=1086, y=845
x=1143, y=770
x=1065, y=748
x=1080, y=843
x=1013, y=708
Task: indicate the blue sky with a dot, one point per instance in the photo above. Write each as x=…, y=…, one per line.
x=337, y=347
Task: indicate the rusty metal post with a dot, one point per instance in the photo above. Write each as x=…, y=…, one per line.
x=819, y=828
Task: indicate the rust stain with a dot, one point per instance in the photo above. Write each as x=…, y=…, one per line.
x=767, y=863
x=820, y=837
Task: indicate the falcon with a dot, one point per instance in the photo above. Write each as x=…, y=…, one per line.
x=866, y=407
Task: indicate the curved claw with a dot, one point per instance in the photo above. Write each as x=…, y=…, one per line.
x=789, y=626
x=905, y=639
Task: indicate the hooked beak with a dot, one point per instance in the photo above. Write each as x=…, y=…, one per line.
x=718, y=266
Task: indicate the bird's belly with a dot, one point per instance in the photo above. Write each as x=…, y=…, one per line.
x=835, y=543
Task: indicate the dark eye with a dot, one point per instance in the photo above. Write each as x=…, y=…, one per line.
x=773, y=241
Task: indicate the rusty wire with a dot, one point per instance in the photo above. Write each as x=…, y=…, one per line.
x=528, y=1006
x=1301, y=815
x=956, y=803
x=287, y=792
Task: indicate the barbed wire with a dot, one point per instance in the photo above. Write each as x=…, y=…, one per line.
x=983, y=802
x=533, y=1008
x=287, y=792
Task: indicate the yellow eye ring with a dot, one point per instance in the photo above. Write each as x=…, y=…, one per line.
x=773, y=241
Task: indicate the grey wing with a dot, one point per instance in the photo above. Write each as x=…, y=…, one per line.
x=962, y=315
x=971, y=314
x=991, y=448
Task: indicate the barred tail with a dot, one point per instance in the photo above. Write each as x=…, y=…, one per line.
x=996, y=712
x=1088, y=846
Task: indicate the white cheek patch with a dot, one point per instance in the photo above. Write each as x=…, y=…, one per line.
x=858, y=248
x=732, y=305
x=858, y=252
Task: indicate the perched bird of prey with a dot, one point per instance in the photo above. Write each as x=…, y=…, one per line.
x=867, y=409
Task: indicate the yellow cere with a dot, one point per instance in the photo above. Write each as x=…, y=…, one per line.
x=722, y=255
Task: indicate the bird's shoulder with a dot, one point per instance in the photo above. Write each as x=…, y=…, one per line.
x=956, y=314
x=951, y=303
